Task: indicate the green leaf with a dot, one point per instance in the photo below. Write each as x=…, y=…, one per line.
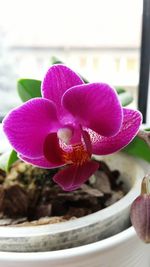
x=4, y=160
x=7, y=159
x=29, y=88
x=120, y=90
x=56, y=60
x=13, y=157
x=138, y=148
x=125, y=98
x=83, y=78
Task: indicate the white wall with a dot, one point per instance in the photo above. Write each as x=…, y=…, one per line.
x=108, y=23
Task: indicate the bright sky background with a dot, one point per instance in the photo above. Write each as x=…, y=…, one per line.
x=72, y=22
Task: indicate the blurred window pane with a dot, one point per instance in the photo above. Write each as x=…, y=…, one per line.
x=98, y=38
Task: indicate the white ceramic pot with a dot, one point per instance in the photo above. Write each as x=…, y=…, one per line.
x=121, y=250
x=85, y=230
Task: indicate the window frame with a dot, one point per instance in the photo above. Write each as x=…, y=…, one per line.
x=144, y=62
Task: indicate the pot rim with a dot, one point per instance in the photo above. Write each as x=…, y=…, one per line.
x=96, y=247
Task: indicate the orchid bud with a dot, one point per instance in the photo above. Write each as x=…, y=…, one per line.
x=140, y=211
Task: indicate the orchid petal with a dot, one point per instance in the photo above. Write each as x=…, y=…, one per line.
x=27, y=126
x=87, y=141
x=58, y=79
x=107, y=145
x=95, y=106
x=52, y=150
x=72, y=177
x=40, y=162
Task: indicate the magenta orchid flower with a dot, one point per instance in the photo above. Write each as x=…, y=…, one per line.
x=68, y=124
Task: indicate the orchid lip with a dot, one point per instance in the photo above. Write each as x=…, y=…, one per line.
x=78, y=156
